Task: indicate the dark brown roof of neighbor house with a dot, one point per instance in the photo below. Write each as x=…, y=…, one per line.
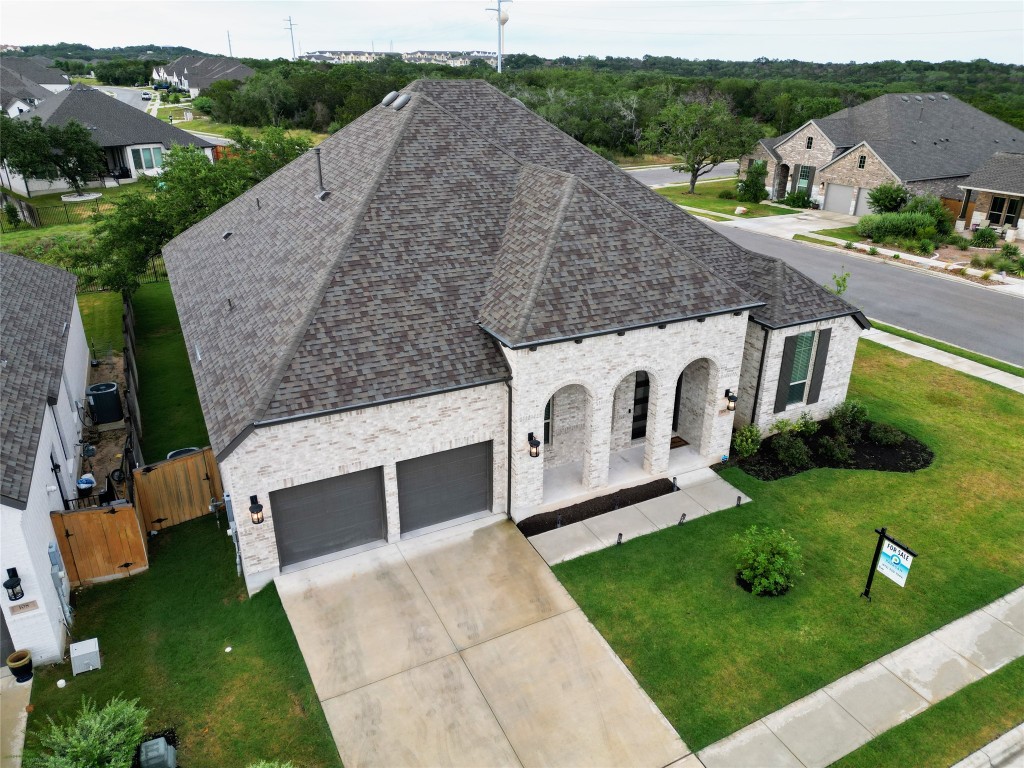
x=454, y=221
x=1004, y=172
x=35, y=310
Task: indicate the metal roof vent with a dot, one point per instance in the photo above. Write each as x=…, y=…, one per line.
x=227, y=234
x=931, y=98
x=401, y=101
x=389, y=98
x=918, y=98
x=323, y=194
x=904, y=98
x=945, y=97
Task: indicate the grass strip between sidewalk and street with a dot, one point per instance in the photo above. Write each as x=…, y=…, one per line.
x=951, y=730
x=714, y=658
x=816, y=241
x=967, y=354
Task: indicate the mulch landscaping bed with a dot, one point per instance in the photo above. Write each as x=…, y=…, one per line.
x=627, y=497
x=909, y=456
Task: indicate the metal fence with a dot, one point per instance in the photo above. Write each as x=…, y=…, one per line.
x=50, y=215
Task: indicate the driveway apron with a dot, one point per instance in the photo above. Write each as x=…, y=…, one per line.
x=462, y=648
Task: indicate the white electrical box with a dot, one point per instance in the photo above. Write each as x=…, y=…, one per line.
x=85, y=656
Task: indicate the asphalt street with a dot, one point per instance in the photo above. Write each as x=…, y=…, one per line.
x=947, y=308
x=130, y=96
x=662, y=175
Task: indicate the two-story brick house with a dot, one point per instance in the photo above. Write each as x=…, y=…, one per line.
x=451, y=308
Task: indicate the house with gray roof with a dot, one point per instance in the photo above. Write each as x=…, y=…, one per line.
x=19, y=93
x=196, y=73
x=133, y=141
x=43, y=372
x=52, y=79
x=451, y=308
x=928, y=142
x=994, y=195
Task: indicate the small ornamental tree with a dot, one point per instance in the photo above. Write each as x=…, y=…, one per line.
x=888, y=197
x=751, y=189
x=767, y=560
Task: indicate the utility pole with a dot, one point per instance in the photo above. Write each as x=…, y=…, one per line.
x=230, y=54
x=291, y=31
x=502, y=21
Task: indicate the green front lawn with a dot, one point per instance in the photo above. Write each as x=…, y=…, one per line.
x=101, y=316
x=163, y=635
x=706, y=197
x=715, y=658
x=951, y=730
x=843, y=233
x=171, y=416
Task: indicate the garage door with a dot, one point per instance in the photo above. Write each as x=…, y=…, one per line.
x=838, y=198
x=862, y=203
x=330, y=515
x=443, y=486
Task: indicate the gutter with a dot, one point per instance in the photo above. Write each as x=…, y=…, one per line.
x=856, y=314
x=508, y=447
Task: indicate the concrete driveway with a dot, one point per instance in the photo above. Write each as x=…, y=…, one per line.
x=462, y=648
x=802, y=223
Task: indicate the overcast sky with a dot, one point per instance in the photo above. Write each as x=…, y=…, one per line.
x=812, y=30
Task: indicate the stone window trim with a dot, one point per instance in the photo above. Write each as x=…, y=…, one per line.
x=810, y=142
x=862, y=161
x=812, y=379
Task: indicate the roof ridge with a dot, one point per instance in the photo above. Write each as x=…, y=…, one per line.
x=285, y=360
x=549, y=247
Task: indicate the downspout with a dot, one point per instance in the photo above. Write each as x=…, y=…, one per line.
x=760, y=373
x=508, y=448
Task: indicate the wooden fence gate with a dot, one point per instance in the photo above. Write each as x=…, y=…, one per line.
x=177, y=490
x=100, y=543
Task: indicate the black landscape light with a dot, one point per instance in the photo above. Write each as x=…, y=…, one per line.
x=13, y=585
x=534, y=445
x=730, y=396
x=255, y=510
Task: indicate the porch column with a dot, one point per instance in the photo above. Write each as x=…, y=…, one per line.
x=597, y=452
x=660, y=408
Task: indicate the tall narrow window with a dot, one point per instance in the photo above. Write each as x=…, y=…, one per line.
x=995, y=211
x=810, y=142
x=137, y=159
x=547, y=422
x=805, y=178
x=641, y=396
x=801, y=367
x=1012, y=212
x=862, y=161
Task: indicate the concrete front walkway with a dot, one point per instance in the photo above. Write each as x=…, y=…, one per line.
x=701, y=492
x=949, y=360
x=819, y=729
x=14, y=697
x=462, y=648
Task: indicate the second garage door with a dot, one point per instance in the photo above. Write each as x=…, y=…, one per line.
x=862, y=202
x=838, y=198
x=443, y=486
x=326, y=516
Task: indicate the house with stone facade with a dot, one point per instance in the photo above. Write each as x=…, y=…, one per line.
x=43, y=377
x=928, y=142
x=994, y=195
x=451, y=308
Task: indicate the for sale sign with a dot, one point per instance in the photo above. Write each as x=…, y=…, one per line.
x=894, y=562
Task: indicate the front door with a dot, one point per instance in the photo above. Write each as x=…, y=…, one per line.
x=641, y=396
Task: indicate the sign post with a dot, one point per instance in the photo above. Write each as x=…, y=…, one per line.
x=892, y=559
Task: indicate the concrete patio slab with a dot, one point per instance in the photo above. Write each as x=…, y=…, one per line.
x=1009, y=609
x=485, y=582
x=664, y=511
x=629, y=521
x=14, y=697
x=876, y=698
x=563, y=698
x=716, y=495
x=566, y=543
x=931, y=668
x=983, y=640
x=817, y=730
x=753, y=747
x=374, y=596
x=433, y=715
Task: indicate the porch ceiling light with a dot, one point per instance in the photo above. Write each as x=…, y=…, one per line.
x=13, y=585
x=731, y=398
x=534, y=445
x=255, y=510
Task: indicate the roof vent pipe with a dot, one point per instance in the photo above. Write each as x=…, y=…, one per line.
x=389, y=98
x=319, y=169
x=401, y=101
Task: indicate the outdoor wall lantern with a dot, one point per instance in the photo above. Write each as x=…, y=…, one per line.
x=13, y=585
x=255, y=510
x=730, y=396
x=534, y=446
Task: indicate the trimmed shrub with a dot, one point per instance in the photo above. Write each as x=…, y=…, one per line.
x=888, y=198
x=11, y=214
x=835, y=450
x=848, y=244
x=872, y=251
x=926, y=247
x=986, y=237
x=751, y=189
x=203, y=104
x=805, y=425
x=1009, y=251
x=932, y=206
x=727, y=194
x=959, y=241
x=797, y=200
x=887, y=227
x=95, y=738
x=791, y=450
x=768, y=560
x=746, y=441
x=1017, y=268
x=885, y=434
x=847, y=419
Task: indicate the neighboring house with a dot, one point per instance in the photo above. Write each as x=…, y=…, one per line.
x=43, y=379
x=449, y=58
x=18, y=93
x=995, y=195
x=133, y=142
x=53, y=80
x=377, y=329
x=928, y=142
x=196, y=73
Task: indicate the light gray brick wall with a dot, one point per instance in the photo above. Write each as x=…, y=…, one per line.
x=307, y=450
x=568, y=426
x=603, y=364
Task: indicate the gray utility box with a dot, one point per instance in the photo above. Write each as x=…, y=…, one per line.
x=157, y=753
x=85, y=656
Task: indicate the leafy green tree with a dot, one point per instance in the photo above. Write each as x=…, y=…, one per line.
x=888, y=197
x=704, y=132
x=50, y=152
x=751, y=189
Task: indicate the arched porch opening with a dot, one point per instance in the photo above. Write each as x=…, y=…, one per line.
x=694, y=407
x=782, y=182
x=565, y=441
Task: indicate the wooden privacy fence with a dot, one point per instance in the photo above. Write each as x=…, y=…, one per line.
x=100, y=543
x=177, y=490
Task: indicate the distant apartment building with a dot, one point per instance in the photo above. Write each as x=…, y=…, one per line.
x=448, y=58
